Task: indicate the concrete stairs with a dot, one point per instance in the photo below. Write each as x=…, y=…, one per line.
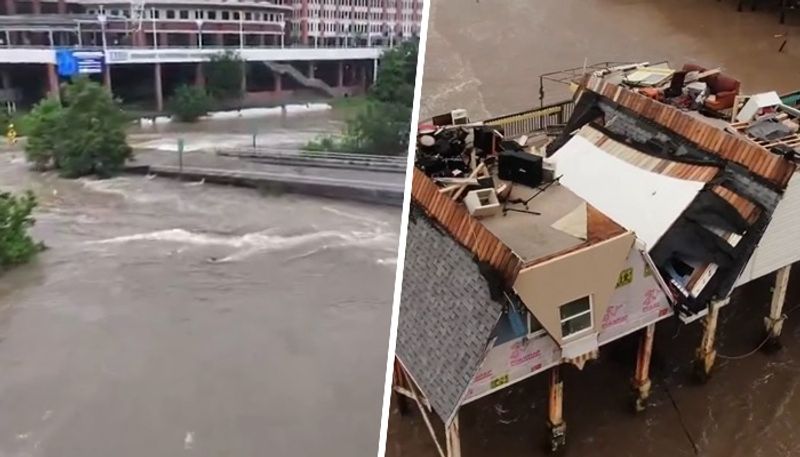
x=294, y=73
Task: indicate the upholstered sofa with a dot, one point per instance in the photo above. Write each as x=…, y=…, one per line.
x=723, y=87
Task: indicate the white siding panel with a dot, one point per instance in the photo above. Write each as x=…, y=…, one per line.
x=780, y=245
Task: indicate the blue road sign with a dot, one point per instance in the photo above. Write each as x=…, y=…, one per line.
x=74, y=62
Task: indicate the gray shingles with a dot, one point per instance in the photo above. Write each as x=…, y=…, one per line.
x=446, y=315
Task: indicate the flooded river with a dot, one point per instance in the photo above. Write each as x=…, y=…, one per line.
x=486, y=56
x=171, y=318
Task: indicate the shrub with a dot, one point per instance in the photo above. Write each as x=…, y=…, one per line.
x=223, y=74
x=16, y=245
x=84, y=136
x=189, y=103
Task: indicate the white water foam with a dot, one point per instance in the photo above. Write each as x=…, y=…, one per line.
x=247, y=113
x=257, y=242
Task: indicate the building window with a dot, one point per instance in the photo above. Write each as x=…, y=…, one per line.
x=226, y=15
x=236, y=15
x=211, y=15
x=184, y=14
x=248, y=16
x=198, y=14
x=576, y=316
x=170, y=14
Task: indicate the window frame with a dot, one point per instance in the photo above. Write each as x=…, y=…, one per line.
x=589, y=311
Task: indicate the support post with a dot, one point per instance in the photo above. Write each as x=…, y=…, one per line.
x=62, y=7
x=158, y=88
x=340, y=75
x=52, y=79
x=6, y=78
x=199, y=76
x=244, y=78
x=641, y=378
x=278, y=82
x=311, y=69
x=107, y=76
x=36, y=6
x=706, y=354
x=453, y=439
x=555, y=419
x=774, y=322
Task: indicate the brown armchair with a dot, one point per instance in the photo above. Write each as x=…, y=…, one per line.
x=723, y=87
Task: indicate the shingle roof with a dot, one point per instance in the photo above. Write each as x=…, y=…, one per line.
x=446, y=315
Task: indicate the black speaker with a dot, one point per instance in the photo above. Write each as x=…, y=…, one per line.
x=520, y=167
x=484, y=139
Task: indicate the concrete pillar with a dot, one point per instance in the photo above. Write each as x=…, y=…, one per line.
x=555, y=419
x=774, y=322
x=163, y=40
x=706, y=354
x=340, y=74
x=641, y=377
x=158, y=88
x=311, y=69
x=62, y=7
x=5, y=76
x=220, y=40
x=244, y=78
x=199, y=76
x=36, y=6
x=453, y=439
x=11, y=7
x=107, y=77
x=52, y=80
x=262, y=40
x=278, y=81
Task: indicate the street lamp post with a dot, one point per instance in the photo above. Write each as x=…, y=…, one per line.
x=199, y=23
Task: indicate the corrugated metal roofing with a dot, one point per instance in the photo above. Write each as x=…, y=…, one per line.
x=757, y=159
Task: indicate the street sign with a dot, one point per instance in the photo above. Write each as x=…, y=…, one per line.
x=72, y=62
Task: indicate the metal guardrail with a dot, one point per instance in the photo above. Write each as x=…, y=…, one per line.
x=535, y=120
x=324, y=159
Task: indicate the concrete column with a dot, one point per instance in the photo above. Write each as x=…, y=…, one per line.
x=340, y=74
x=555, y=419
x=453, y=439
x=774, y=322
x=706, y=354
x=244, y=78
x=52, y=80
x=107, y=77
x=5, y=76
x=199, y=76
x=163, y=40
x=641, y=378
x=11, y=7
x=220, y=40
x=62, y=7
x=158, y=88
x=37, y=6
x=311, y=69
x=262, y=40
x=278, y=82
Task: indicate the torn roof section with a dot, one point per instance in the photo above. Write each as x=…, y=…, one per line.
x=446, y=317
x=722, y=188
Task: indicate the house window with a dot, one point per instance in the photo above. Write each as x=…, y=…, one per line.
x=184, y=14
x=248, y=16
x=226, y=15
x=170, y=14
x=211, y=15
x=576, y=316
x=198, y=14
x=236, y=16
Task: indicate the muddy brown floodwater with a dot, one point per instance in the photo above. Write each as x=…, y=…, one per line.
x=171, y=318
x=486, y=56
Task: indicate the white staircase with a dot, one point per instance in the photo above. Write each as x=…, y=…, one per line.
x=314, y=83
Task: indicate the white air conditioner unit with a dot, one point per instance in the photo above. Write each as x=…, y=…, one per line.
x=459, y=116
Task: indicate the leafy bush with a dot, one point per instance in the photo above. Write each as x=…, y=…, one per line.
x=43, y=123
x=16, y=246
x=85, y=135
x=223, y=74
x=189, y=103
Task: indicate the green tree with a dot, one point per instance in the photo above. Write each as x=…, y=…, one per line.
x=43, y=124
x=382, y=126
x=16, y=245
x=223, y=74
x=189, y=103
x=85, y=136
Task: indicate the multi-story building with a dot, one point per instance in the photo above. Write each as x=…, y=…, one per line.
x=289, y=46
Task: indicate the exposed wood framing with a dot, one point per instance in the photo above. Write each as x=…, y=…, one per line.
x=453, y=433
x=774, y=322
x=421, y=402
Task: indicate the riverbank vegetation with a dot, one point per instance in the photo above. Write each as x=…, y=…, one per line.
x=16, y=245
x=382, y=124
x=223, y=84
x=190, y=103
x=82, y=134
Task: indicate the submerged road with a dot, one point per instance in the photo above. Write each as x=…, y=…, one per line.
x=486, y=57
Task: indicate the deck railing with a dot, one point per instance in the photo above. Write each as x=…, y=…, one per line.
x=535, y=120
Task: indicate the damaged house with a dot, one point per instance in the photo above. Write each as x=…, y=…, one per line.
x=520, y=259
